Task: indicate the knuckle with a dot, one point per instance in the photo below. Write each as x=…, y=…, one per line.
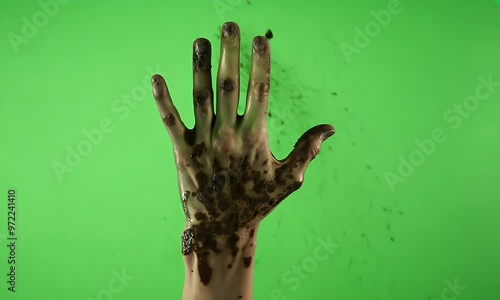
x=169, y=120
x=201, y=97
x=260, y=90
x=314, y=150
x=226, y=141
x=227, y=84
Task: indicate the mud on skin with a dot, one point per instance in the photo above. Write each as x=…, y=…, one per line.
x=229, y=179
x=235, y=196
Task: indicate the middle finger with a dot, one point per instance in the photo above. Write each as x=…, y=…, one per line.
x=228, y=77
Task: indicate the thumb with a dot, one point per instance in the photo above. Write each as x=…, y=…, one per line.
x=306, y=148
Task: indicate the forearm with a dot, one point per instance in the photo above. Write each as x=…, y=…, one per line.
x=223, y=272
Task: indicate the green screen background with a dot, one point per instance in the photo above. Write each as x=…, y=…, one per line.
x=118, y=209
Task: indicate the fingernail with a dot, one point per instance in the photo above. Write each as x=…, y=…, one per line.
x=158, y=87
x=201, y=57
x=156, y=79
x=229, y=29
x=201, y=45
x=327, y=134
x=259, y=44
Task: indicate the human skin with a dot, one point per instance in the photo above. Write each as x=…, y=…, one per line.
x=229, y=180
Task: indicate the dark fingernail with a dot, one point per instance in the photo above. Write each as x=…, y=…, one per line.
x=201, y=45
x=260, y=44
x=230, y=29
x=327, y=134
x=201, y=54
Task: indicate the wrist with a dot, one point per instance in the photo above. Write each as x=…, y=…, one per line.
x=218, y=267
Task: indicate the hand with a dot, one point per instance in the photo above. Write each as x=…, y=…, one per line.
x=228, y=178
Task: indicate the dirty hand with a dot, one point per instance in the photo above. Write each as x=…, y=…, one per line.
x=228, y=177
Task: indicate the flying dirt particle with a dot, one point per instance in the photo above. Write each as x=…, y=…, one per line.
x=387, y=210
x=269, y=34
x=334, y=93
x=366, y=239
x=392, y=239
x=249, y=2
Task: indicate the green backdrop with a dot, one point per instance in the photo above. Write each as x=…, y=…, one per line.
x=407, y=190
